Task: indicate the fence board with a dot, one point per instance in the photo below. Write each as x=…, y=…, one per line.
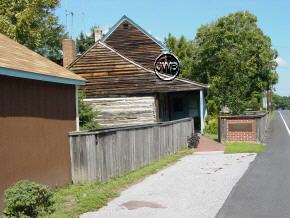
x=111, y=152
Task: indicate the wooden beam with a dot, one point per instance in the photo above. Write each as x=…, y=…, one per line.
x=201, y=111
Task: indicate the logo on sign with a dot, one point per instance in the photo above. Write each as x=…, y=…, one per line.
x=166, y=66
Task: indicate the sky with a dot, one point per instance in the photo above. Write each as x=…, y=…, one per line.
x=184, y=17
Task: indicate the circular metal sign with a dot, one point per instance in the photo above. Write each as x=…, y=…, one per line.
x=166, y=67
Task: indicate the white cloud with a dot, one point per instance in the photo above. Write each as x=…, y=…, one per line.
x=105, y=29
x=89, y=34
x=281, y=62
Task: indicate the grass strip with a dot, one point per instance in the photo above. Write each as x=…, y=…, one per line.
x=273, y=115
x=243, y=147
x=74, y=200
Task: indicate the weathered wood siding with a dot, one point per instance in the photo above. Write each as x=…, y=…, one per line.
x=108, y=153
x=125, y=110
x=134, y=44
x=108, y=73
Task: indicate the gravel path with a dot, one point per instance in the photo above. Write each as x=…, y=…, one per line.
x=196, y=186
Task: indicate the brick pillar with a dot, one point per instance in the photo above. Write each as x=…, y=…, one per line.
x=69, y=51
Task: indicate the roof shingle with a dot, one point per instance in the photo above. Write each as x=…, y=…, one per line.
x=18, y=57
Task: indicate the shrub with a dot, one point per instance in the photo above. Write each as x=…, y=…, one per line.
x=211, y=125
x=28, y=199
x=193, y=140
x=87, y=114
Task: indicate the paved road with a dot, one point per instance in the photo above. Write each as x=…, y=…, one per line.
x=264, y=190
x=196, y=186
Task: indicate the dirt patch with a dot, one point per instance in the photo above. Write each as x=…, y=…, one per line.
x=132, y=205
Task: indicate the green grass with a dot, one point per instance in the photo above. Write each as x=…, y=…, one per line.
x=273, y=115
x=243, y=147
x=214, y=137
x=74, y=200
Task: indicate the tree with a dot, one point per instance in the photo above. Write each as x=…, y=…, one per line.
x=183, y=49
x=281, y=102
x=83, y=41
x=33, y=24
x=87, y=114
x=236, y=59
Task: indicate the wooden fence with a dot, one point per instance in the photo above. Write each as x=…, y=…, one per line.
x=106, y=153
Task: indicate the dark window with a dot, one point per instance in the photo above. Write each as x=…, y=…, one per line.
x=125, y=26
x=177, y=105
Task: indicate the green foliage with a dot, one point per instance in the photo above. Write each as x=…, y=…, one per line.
x=214, y=137
x=236, y=58
x=255, y=103
x=28, y=199
x=211, y=125
x=33, y=24
x=183, y=49
x=77, y=199
x=87, y=114
x=280, y=102
x=83, y=41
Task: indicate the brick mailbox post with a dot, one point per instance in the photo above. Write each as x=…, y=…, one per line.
x=248, y=127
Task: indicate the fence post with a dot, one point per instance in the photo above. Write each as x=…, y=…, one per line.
x=219, y=127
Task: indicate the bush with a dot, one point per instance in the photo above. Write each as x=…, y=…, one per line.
x=87, y=114
x=28, y=199
x=193, y=140
x=211, y=125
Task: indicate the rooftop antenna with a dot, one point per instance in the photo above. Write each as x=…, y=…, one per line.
x=72, y=23
x=71, y=14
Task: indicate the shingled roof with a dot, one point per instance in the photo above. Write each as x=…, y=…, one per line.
x=130, y=40
x=17, y=60
x=110, y=73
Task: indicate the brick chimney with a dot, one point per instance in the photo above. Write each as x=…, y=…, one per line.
x=69, y=51
x=98, y=33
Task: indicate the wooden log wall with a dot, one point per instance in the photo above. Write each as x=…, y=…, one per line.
x=120, y=111
x=112, y=152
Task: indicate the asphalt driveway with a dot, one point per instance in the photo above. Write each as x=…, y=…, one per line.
x=264, y=190
x=196, y=186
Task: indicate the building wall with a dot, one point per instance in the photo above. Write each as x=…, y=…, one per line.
x=35, y=118
x=118, y=111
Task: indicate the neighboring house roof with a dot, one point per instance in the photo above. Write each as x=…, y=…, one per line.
x=110, y=73
x=18, y=61
x=132, y=41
